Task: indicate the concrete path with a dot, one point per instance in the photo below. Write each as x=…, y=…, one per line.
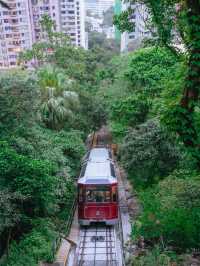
x=68, y=243
x=123, y=206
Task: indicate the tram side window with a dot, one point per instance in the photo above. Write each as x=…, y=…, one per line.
x=87, y=156
x=83, y=170
x=114, y=194
x=80, y=194
x=112, y=170
x=98, y=194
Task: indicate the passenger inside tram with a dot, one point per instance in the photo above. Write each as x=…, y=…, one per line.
x=94, y=195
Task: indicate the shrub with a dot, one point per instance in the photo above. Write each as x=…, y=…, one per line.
x=34, y=247
x=18, y=99
x=130, y=111
x=148, y=153
x=156, y=256
x=171, y=212
x=148, y=68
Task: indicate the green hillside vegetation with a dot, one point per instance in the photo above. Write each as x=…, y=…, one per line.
x=167, y=177
x=150, y=101
x=140, y=94
x=45, y=115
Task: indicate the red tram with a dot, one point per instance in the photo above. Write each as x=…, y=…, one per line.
x=97, y=189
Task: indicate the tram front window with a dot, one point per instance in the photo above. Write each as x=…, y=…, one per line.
x=98, y=194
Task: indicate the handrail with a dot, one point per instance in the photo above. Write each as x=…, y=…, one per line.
x=56, y=243
x=71, y=216
x=121, y=238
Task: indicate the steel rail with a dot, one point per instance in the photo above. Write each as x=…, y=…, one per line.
x=97, y=247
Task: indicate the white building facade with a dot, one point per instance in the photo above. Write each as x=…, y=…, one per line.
x=95, y=23
x=37, y=9
x=72, y=20
x=15, y=32
x=20, y=27
x=139, y=18
x=98, y=7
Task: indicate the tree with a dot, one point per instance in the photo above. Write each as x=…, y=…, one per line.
x=99, y=40
x=128, y=112
x=48, y=26
x=41, y=52
x=57, y=102
x=179, y=20
x=18, y=100
x=171, y=213
x=149, y=154
x=28, y=187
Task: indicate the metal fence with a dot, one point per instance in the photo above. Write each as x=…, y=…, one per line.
x=57, y=242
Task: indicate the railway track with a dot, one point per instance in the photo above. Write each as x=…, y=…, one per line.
x=98, y=246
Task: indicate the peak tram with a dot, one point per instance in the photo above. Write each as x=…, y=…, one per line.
x=98, y=188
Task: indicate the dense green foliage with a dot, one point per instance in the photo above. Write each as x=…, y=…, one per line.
x=137, y=84
x=157, y=256
x=149, y=154
x=45, y=115
x=34, y=247
x=141, y=92
x=177, y=22
x=36, y=165
x=175, y=216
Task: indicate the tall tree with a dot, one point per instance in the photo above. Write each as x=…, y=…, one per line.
x=178, y=21
x=58, y=103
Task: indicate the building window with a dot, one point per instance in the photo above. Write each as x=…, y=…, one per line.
x=34, y=2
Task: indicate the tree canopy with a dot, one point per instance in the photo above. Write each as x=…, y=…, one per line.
x=178, y=22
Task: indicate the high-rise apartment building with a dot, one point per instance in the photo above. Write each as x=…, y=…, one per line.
x=72, y=20
x=15, y=31
x=98, y=7
x=139, y=18
x=20, y=27
x=37, y=9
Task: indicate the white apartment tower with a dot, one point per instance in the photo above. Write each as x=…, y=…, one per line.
x=20, y=27
x=37, y=9
x=140, y=31
x=68, y=15
x=15, y=32
x=98, y=7
x=72, y=20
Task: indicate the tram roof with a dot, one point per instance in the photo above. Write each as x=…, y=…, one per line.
x=99, y=154
x=98, y=173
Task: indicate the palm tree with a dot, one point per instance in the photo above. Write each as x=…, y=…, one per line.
x=58, y=102
x=4, y=4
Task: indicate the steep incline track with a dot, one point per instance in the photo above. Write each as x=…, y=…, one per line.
x=98, y=246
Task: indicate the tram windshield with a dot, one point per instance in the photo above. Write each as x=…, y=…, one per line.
x=98, y=194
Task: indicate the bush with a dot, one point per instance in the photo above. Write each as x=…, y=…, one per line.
x=34, y=247
x=148, y=153
x=148, y=68
x=62, y=148
x=157, y=257
x=130, y=111
x=171, y=211
x=18, y=100
x=32, y=190
x=34, y=180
